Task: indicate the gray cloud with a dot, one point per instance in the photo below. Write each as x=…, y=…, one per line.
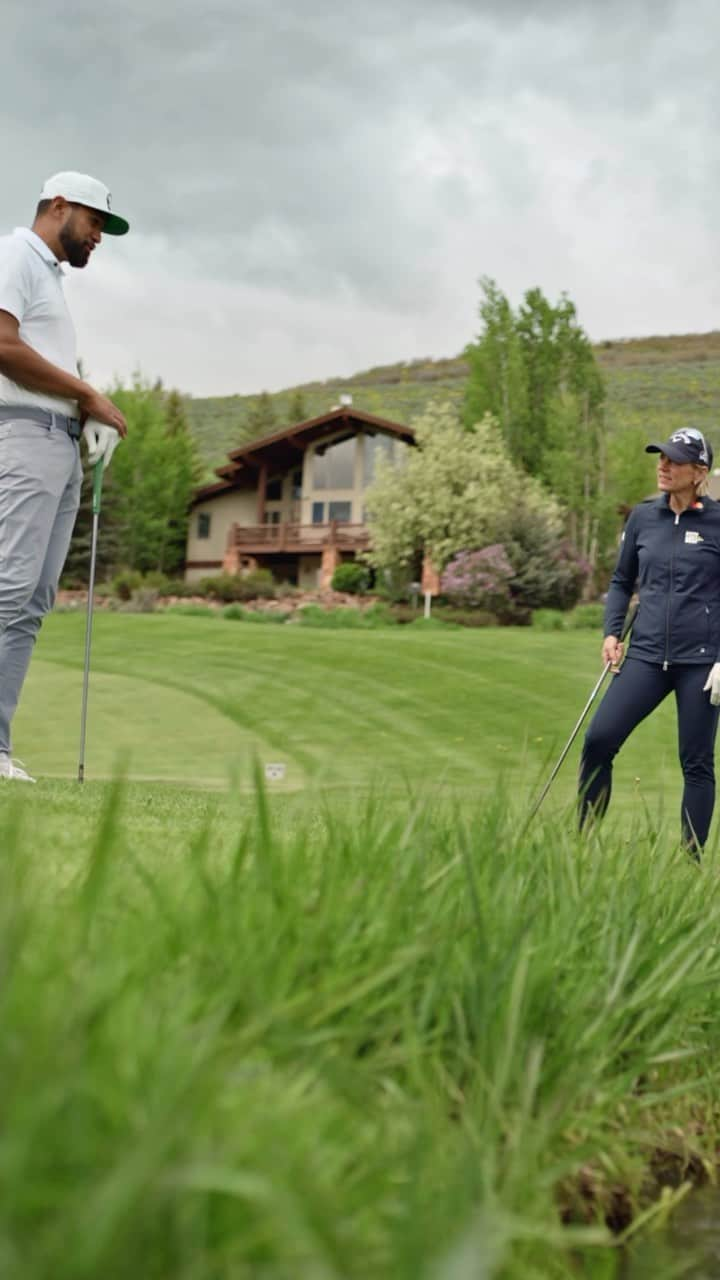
x=348, y=172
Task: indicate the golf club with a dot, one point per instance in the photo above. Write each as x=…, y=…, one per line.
x=608, y=666
x=97, y=493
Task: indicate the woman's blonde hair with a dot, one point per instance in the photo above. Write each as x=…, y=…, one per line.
x=702, y=486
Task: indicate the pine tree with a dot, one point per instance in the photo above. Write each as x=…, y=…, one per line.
x=146, y=490
x=261, y=419
x=297, y=411
x=108, y=556
x=185, y=474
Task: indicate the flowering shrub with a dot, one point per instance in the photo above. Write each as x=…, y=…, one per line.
x=479, y=579
x=548, y=573
x=571, y=572
x=533, y=569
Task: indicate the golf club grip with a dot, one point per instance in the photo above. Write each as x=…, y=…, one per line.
x=97, y=486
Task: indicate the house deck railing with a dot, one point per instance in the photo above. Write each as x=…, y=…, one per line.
x=299, y=537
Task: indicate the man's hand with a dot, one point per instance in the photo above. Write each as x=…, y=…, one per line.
x=612, y=651
x=98, y=407
x=101, y=442
x=712, y=684
x=23, y=364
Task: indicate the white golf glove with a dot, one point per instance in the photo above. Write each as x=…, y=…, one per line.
x=101, y=441
x=713, y=684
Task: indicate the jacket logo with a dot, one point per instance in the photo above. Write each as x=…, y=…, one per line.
x=692, y=537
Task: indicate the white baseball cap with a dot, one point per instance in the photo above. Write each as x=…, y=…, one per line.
x=80, y=188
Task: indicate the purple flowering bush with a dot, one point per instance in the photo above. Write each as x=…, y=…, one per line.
x=479, y=579
x=548, y=572
x=531, y=569
x=567, y=574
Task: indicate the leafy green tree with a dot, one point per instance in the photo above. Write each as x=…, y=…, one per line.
x=545, y=337
x=497, y=381
x=631, y=471
x=535, y=370
x=630, y=479
x=451, y=493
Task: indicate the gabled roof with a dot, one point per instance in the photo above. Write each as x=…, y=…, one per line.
x=303, y=433
x=282, y=448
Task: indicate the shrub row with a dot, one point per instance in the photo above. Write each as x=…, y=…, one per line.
x=141, y=593
x=146, y=600
x=224, y=587
x=229, y=588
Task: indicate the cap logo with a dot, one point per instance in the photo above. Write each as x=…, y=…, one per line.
x=689, y=436
x=108, y=200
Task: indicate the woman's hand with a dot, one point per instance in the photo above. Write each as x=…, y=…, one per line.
x=612, y=651
x=712, y=685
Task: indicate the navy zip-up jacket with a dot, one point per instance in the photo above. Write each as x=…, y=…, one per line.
x=675, y=562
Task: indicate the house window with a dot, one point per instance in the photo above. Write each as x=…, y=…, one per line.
x=334, y=465
x=273, y=517
x=318, y=512
x=297, y=484
x=341, y=511
x=375, y=447
x=273, y=491
x=203, y=524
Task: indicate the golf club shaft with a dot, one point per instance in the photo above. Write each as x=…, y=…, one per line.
x=570, y=741
x=608, y=666
x=97, y=489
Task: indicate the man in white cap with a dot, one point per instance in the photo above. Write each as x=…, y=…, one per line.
x=44, y=407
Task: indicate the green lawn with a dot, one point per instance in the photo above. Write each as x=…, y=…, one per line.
x=361, y=1026
x=194, y=700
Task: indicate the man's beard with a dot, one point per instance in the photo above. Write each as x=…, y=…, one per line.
x=76, y=249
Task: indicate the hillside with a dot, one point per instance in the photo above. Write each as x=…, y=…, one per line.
x=661, y=382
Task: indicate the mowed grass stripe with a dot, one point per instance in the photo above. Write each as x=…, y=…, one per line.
x=345, y=709
x=343, y=701
x=131, y=721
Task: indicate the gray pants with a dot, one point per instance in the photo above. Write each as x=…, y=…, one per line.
x=40, y=478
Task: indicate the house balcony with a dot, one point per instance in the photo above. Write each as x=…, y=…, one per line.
x=268, y=539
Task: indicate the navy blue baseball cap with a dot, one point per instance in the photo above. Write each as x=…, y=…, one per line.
x=685, y=445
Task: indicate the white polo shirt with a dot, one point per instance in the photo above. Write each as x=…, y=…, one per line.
x=31, y=290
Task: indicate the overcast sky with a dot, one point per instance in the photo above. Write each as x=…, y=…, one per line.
x=314, y=188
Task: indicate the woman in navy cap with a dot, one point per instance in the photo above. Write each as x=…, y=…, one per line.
x=670, y=553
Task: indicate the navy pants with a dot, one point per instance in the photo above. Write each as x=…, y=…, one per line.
x=638, y=688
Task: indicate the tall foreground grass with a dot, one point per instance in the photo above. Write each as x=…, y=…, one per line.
x=331, y=1042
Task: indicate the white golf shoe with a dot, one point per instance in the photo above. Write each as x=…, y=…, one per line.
x=12, y=769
